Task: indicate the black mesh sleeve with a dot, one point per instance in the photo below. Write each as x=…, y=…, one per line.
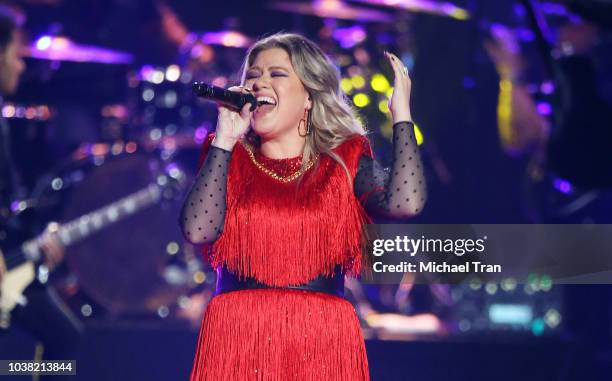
x=399, y=192
x=203, y=212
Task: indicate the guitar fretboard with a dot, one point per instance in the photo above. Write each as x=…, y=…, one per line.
x=77, y=229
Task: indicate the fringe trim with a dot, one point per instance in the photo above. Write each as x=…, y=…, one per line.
x=281, y=235
x=280, y=335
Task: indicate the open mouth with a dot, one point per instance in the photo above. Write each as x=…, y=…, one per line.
x=265, y=104
x=263, y=101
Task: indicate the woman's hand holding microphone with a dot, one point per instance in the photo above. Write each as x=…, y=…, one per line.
x=231, y=124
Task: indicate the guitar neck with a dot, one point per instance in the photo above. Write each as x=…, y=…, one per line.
x=80, y=228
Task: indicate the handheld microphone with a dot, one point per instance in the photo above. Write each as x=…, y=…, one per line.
x=225, y=97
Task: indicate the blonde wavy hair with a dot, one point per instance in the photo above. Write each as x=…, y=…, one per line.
x=332, y=119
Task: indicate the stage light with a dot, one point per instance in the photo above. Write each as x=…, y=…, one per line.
x=357, y=81
x=172, y=248
x=491, y=288
x=43, y=43
x=547, y=87
x=562, y=186
x=170, y=99
x=200, y=134
x=8, y=111
x=174, y=171
x=351, y=36
x=544, y=108
x=538, y=326
x=86, y=310
x=220, y=81
x=515, y=314
x=29, y=112
x=146, y=73
x=346, y=85
x=234, y=39
x=533, y=281
x=148, y=95
x=57, y=183
x=459, y=14
x=552, y=318
x=99, y=149
x=155, y=134
x=361, y=100
x=43, y=112
x=163, y=312
x=59, y=43
x=475, y=284
x=546, y=283
x=173, y=73
x=418, y=135
x=199, y=277
x=184, y=301
x=18, y=206
x=157, y=77
x=98, y=160
x=162, y=180
x=131, y=147
x=508, y=284
x=379, y=83
x=383, y=106
x=117, y=148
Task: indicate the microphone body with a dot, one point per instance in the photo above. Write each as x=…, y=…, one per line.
x=225, y=97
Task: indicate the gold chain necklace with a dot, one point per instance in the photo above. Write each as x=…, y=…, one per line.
x=276, y=176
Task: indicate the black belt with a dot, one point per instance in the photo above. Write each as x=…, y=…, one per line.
x=227, y=282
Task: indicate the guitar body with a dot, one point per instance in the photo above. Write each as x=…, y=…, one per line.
x=11, y=289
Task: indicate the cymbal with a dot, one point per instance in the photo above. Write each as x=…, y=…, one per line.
x=423, y=6
x=63, y=49
x=228, y=38
x=333, y=9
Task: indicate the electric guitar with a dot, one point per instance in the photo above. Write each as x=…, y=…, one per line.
x=22, y=262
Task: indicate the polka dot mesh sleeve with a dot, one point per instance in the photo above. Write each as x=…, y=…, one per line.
x=399, y=192
x=203, y=212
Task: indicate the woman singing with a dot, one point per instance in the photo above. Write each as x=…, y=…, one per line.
x=282, y=194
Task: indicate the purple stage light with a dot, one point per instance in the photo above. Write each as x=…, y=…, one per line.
x=544, y=108
x=349, y=37
x=547, y=87
x=563, y=186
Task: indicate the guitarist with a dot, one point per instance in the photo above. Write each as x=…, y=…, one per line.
x=44, y=316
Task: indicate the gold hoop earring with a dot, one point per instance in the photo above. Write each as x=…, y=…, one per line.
x=307, y=124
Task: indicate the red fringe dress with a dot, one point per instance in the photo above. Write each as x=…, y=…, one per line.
x=283, y=236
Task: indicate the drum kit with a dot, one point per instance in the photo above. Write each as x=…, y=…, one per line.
x=118, y=200
x=130, y=258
